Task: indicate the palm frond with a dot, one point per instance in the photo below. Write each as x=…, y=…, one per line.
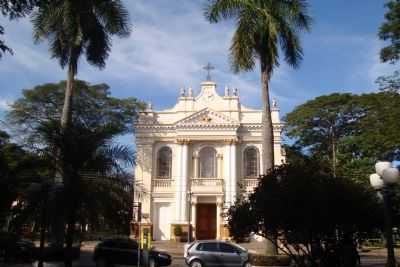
x=225, y=9
x=73, y=28
x=263, y=27
x=242, y=50
x=291, y=46
x=114, y=16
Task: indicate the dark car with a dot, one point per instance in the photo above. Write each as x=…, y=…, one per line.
x=216, y=253
x=14, y=249
x=124, y=251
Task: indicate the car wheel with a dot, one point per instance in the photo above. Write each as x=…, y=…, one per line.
x=196, y=263
x=152, y=263
x=247, y=264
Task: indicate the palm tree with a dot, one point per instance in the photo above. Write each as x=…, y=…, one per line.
x=96, y=182
x=74, y=28
x=263, y=27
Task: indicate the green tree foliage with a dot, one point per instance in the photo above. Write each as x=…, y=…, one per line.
x=74, y=28
x=389, y=83
x=320, y=124
x=18, y=168
x=378, y=136
x=390, y=31
x=305, y=206
x=93, y=107
x=97, y=189
x=350, y=132
x=97, y=183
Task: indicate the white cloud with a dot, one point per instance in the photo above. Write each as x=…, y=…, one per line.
x=5, y=104
x=376, y=67
x=167, y=49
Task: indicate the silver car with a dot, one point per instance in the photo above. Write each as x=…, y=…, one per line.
x=211, y=253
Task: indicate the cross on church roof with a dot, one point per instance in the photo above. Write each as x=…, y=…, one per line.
x=209, y=68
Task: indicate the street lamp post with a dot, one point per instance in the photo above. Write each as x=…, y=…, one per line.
x=189, y=236
x=383, y=180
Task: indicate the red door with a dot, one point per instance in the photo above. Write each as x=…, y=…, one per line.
x=206, y=221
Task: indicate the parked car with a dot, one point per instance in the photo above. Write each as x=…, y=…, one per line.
x=14, y=249
x=216, y=253
x=124, y=251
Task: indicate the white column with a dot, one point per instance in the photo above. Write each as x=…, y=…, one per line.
x=195, y=165
x=227, y=170
x=233, y=173
x=178, y=181
x=184, y=179
x=219, y=166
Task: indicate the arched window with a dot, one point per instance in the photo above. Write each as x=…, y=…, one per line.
x=208, y=163
x=251, y=162
x=164, y=163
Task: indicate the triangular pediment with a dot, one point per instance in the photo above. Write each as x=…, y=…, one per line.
x=207, y=118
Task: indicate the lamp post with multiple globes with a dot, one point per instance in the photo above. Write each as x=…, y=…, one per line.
x=189, y=209
x=383, y=180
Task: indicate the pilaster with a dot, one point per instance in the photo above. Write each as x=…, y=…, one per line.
x=182, y=180
x=143, y=175
x=233, y=172
x=220, y=166
x=195, y=165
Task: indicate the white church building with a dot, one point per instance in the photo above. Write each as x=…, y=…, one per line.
x=195, y=158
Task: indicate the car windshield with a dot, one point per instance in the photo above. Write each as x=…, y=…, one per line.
x=239, y=247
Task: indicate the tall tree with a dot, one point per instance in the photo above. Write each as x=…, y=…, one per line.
x=307, y=207
x=320, y=124
x=351, y=132
x=74, y=28
x=96, y=165
x=390, y=31
x=263, y=27
x=96, y=183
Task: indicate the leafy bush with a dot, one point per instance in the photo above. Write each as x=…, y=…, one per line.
x=178, y=230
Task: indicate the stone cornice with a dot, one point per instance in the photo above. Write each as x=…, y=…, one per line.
x=205, y=126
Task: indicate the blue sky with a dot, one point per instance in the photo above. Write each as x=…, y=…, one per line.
x=171, y=42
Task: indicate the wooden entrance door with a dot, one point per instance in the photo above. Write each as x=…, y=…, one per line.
x=206, y=221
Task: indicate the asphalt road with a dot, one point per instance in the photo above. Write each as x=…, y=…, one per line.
x=371, y=259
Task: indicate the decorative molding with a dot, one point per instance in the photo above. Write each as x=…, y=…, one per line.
x=183, y=141
x=206, y=117
x=232, y=141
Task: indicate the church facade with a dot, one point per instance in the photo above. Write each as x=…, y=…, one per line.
x=194, y=159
